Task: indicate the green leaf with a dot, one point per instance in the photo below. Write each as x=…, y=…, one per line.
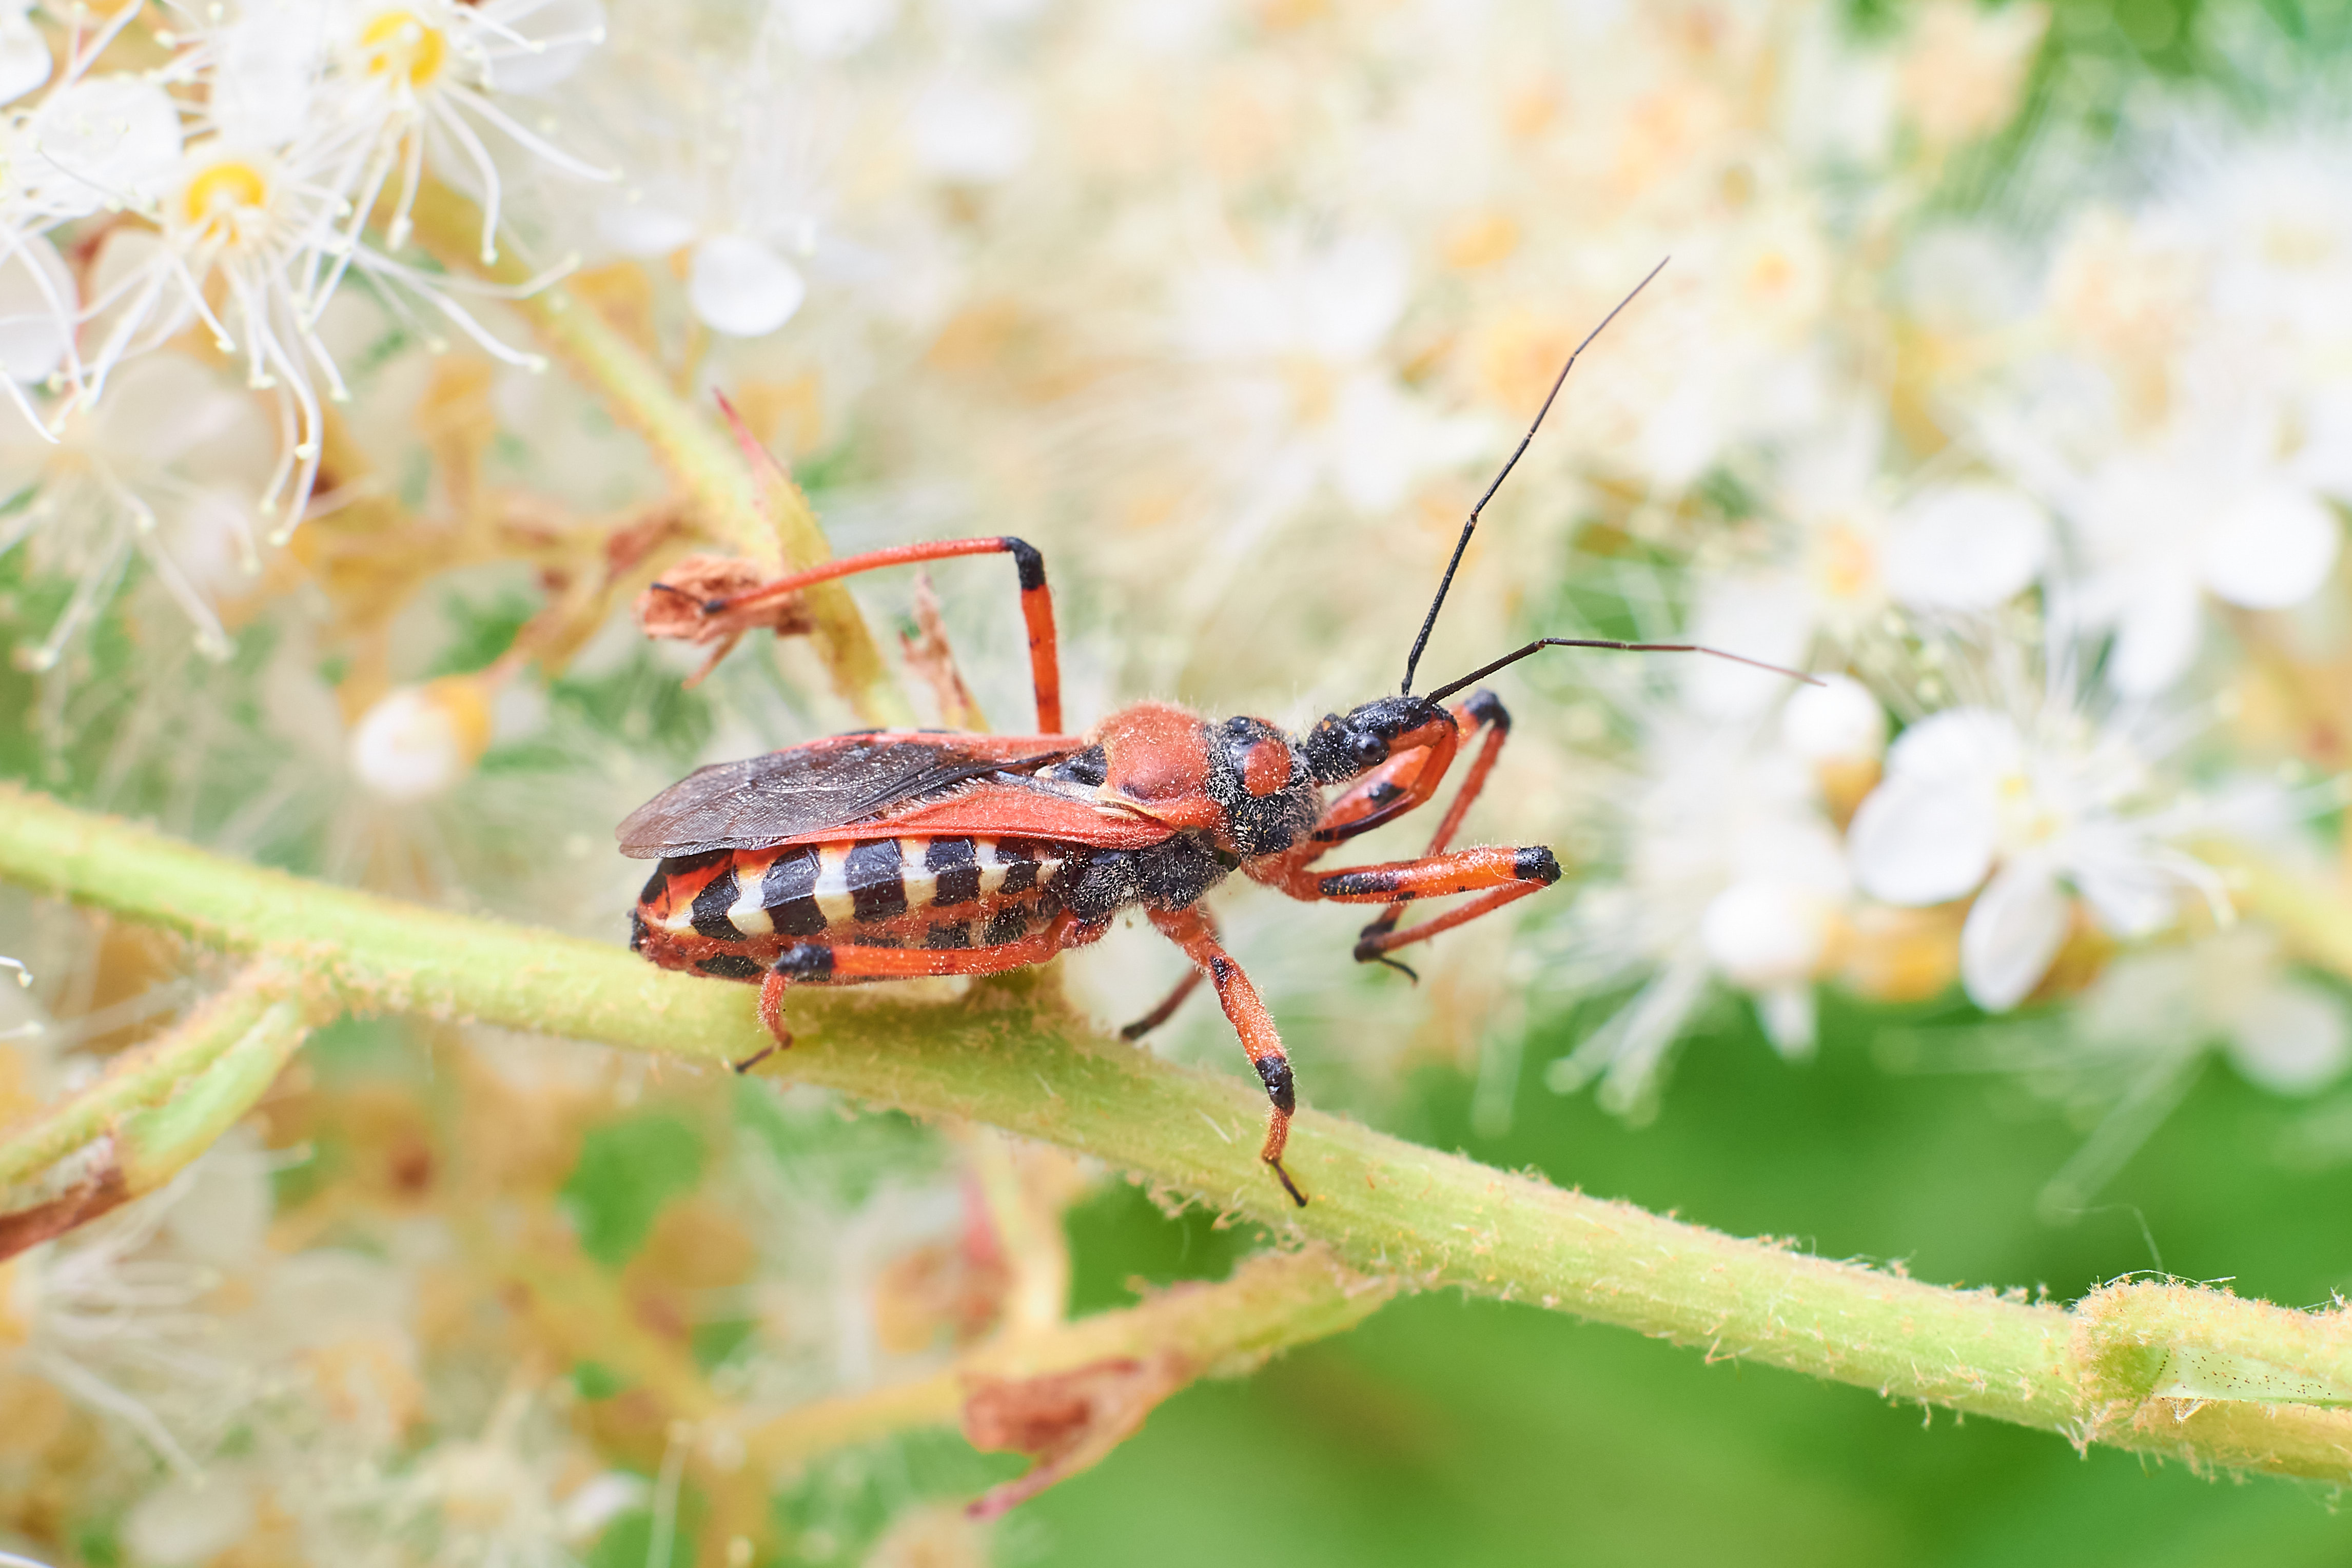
x=627, y=1170
x=594, y=1380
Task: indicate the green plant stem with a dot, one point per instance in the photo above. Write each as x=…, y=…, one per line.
x=1009, y=1055
x=765, y=517
x=154, y=1113
x=145, y=1076
x=1270, y=1303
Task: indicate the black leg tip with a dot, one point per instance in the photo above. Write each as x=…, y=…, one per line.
x=754, y=1059
x=1367, y=953
x=1288, y=1184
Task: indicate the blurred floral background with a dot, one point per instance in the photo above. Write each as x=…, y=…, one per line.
x=2002, y=374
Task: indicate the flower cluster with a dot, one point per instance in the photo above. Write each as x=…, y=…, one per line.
x=198, y=184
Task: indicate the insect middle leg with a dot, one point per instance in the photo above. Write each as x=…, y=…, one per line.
x=1176, y=997
x=836, y=963
x=1190, y=929
x=1037, y=601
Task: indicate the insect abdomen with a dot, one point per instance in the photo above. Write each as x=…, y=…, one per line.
x=729, y=912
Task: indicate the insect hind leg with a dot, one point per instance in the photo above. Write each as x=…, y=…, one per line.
x=772, y=1014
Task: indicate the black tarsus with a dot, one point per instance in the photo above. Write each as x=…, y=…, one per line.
x=707, y=606
x=1288, y=1184
x=1442, y=693
x=1412, y=661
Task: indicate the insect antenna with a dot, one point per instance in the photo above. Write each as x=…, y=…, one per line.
x=1412, y=659
x=1483, y=671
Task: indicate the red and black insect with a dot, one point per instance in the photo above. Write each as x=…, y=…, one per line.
x=890, y=854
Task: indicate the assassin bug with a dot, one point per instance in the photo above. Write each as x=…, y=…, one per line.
x=888, y=854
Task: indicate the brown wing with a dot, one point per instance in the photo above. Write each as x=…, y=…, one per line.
x=824, y=784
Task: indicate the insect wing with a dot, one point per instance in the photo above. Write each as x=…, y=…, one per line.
x=809, y=789
x=1004, y=807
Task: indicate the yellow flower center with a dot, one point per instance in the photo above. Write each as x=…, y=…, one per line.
x=218, y=200
x=397, y=45
x=1846, y=564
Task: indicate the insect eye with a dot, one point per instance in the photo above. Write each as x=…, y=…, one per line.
x=1367, y=748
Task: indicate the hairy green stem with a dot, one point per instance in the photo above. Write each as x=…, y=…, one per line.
x=763, y=516
x=152, y=1114
x=1010, y=1056
x=143, y=1076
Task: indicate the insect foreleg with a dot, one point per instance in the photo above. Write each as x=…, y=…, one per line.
x=1505, y=875
x=1482, y=710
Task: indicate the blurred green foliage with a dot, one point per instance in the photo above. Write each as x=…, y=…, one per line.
x=627, y=1170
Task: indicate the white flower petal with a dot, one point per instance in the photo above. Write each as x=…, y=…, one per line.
x=112, y=139
x=2291, y=1038
x=1973, y=745
x=190, y=1520
x=642, y=230
x=2272, y=549
x=1761, y=615
x=834, y=29
x=1353, y=295
x=562, y=35
x=25, y=62
x=1789, y=1018
x=2156, y=635
x=1837, y=721
x=165, y=405
x=1762, y=934
x=263, y=84
x=2119, y=874
x=2017, y=927
x=969, y=132
x=37, y=302
x=1921, y=841
x=740, y=287
x=1967, y=546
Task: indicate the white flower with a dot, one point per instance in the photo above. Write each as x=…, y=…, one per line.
x=411, y=71
x=167, y=466
x=1292, y=351
x=1848, y=548
x=969, y=130
x=1971, y=802
x=2160, y=529
x=1731, y=872
x=254, y=229
x=736, y=183
x=2232, y=990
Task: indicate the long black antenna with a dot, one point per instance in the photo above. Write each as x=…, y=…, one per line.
x=1412, y=659
x=1483, y=671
